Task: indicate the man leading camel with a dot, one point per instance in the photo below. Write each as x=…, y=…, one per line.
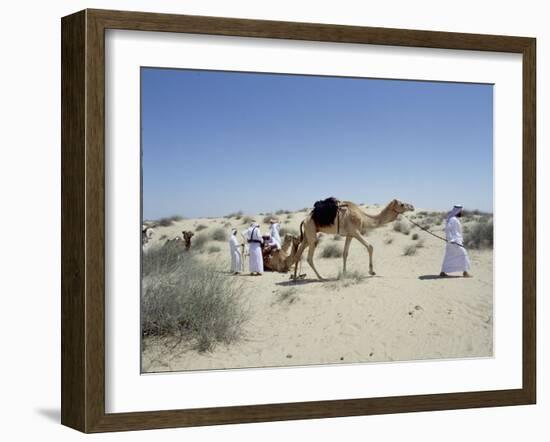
x=456, y=258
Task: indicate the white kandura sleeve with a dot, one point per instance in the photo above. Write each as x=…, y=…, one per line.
x=453, y=232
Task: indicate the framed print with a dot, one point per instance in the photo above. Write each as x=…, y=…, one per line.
x=269, y=220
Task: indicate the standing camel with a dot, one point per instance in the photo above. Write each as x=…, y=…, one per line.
x=187, y=235
x=346, y=219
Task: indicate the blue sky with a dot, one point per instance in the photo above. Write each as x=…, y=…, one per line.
x=217, y=142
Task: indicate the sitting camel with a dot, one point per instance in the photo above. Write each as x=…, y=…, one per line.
x=346, y=219
x=281, y=260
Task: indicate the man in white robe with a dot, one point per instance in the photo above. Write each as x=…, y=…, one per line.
x=274, y=232
x=255, y=259
x=456, y=258
x=271, y=243
x=234, y=250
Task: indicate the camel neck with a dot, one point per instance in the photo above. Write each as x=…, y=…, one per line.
x=387, y=215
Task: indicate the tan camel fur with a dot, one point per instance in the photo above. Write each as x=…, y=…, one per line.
x=281, y=260
x=350, y=222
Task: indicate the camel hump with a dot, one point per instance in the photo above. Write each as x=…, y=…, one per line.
x=324, y=211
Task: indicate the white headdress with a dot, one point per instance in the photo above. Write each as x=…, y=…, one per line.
x=457, y=208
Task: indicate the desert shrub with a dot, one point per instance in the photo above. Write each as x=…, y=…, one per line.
x=214, y=249
x=288, y=231
x=414, y=236
x=267, y=218
x=475, y=212
x=332, y=251
x=282, y=212
x=227, y=224
x=337, y=237
x=219, y=234
x=388, y=240
x=420, y=244
x=186, y=299
x=236, y=215
x=479, y=236
x=247, y=220
x=485, y=218
x=289, y=216
x=201, y=227
x=286, y=221
x=432, y=220
x=409, y=250
x=400, y=225
x=423, y=213
x=168, y=221
x=199, y=241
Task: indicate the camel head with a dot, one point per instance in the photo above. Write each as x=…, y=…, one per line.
x=287, y=241
x=187, y=235
x=400, y=207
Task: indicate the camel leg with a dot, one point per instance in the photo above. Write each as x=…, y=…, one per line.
x=346, y=251
x=310, y=253
x=298, y=256
x=369, y=247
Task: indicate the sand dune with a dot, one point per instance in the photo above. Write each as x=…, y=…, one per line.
x=405, y=312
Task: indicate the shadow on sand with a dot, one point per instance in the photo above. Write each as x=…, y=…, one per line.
x=293, y=283
x=429, y=277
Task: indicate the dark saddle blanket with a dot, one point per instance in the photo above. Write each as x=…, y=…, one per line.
x=325, y=211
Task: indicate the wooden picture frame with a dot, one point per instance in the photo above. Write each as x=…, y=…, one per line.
x=83, y=220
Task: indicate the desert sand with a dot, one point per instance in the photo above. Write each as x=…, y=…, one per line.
x=405, y=312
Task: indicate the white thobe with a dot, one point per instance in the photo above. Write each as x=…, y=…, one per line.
x=236, y=258
x=273, y=243
x=274, y=232
x=255, y=258
x=456, y=258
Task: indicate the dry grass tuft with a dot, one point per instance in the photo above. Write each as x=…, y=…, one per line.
x=400, y=225
x=480, y=235
x=186, y=299
x=219, y=234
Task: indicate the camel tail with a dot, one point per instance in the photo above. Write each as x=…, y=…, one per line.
x=301, y=231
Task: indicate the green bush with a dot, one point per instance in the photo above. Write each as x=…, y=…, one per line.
x=201, y=227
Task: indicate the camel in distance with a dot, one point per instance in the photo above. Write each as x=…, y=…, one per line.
x=344, y=218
